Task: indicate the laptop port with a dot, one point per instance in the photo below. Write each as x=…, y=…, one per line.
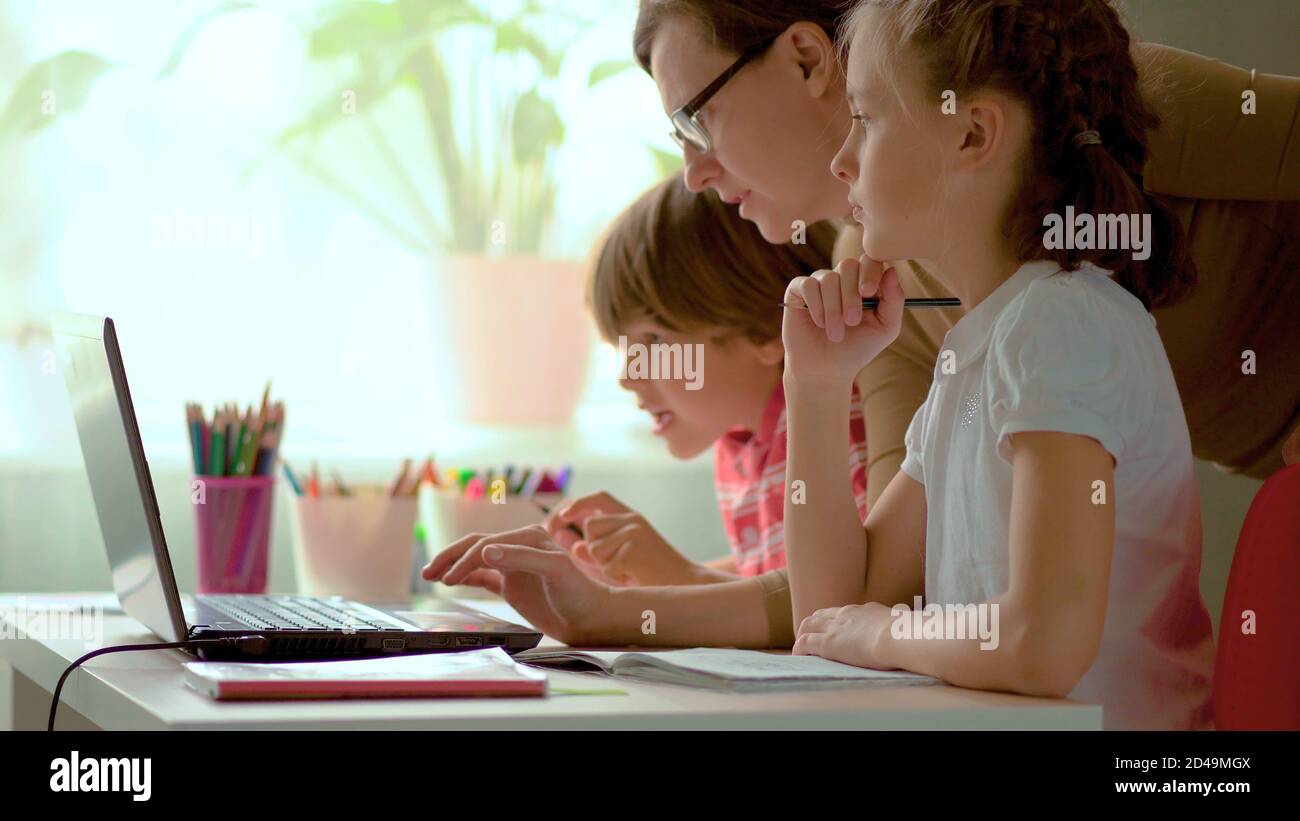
x=469, y=641
x=496, y=641
x=394, y=645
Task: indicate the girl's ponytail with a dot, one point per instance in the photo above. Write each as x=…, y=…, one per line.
x=1102, y=185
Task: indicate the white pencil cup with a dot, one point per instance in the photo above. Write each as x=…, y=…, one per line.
x=357, y=546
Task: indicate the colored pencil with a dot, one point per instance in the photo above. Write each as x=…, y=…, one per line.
x=399, y=480
x=194, y=424
x=218, y=449
x=293, y=480
x=523, y=481
x=340, y=488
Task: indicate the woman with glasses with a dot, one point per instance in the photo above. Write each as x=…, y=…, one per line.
x=756, y=101
x=755, y=97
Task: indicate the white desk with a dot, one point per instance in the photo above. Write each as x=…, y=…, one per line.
x=144, y=691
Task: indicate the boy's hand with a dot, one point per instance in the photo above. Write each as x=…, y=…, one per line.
x=535, y=576
x=834, y=338
x=619, y=545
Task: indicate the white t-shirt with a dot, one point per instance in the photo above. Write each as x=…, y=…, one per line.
x=1073, y=352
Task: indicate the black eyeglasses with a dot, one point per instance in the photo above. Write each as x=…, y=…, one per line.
x=687, y=128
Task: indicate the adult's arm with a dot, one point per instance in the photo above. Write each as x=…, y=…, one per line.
x=1233, y=179
x=1207, y=147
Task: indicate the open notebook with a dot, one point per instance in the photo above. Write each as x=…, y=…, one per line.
x=737, y=671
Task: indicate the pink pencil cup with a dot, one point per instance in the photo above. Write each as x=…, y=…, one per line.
x=232, y=517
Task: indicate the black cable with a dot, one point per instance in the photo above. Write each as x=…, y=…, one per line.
x=252, y=645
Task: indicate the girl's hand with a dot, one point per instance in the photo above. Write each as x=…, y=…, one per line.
x=619, y=546
x=834, y=338
x=534, y=575
x=853, y=635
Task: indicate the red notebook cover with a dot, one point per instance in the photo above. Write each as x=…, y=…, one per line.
x=472, y=673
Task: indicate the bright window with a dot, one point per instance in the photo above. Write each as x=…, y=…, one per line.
x=160, y=202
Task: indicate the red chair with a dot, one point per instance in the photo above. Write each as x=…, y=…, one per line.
x=1257, y=677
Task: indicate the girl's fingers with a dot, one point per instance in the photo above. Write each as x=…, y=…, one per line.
x=793, y=296
x=807, y=291
x=850, y=300
x=869, y=274
x=889, y=311
x=828, y=282
x=818, y=621
x=809, y=644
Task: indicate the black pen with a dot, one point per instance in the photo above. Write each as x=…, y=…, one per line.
x=547, y=511
x=911, y=302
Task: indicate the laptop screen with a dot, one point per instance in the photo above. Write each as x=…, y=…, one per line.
x=119, y=475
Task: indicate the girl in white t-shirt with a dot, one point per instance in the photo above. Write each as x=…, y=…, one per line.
x=1046, y=507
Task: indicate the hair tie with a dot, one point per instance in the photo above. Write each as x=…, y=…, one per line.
x=1086, y=138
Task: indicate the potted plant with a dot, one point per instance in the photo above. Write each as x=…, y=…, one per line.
x=509, y=320
x=508, y=316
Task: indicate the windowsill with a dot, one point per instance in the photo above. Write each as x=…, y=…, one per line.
x=627, y=445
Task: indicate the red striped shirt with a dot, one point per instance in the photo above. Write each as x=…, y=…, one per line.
x=749, y=474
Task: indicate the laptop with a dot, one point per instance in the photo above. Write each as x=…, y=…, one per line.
x=294, y=627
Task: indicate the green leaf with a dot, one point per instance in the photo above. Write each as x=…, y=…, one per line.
x=355, y=27
x=513, y=38
x=363, y=92
x=52, y=87
x=536, y=128
x=192, y=31
x=443, y=14
x=609, y=68
x=368, y=27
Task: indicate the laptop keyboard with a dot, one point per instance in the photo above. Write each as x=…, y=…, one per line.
x=296, y=613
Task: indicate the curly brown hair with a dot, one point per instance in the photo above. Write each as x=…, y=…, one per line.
x=1068, y=62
